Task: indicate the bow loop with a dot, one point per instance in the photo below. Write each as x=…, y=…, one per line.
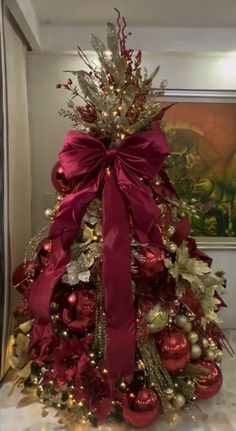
x=144, y=153
x=81, y=154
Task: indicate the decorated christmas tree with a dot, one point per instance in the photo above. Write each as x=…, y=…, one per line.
x=118, y=315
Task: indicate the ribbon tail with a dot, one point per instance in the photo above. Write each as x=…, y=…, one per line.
x=117, y=286
x=62, y=234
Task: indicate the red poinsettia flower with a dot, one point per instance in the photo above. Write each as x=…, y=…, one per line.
x=65, y=359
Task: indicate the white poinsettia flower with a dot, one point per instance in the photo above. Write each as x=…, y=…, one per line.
x=72, y=275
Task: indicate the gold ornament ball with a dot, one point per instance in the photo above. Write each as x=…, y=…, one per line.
x=171, y=230
x=157, y=319
x=210, y=355
x=181, y=320
x=172, y=247
x=49, y=213
x=64, y=334
x=193, y=337
x=205, y=342
x=188, y=327
x=172, y=312
x=178, y=400
x=219, y=355
x=212, y=344
x=169, y=392
x=196, y=351
x=123, y=386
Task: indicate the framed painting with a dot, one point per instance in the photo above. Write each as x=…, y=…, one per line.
x=201, y=132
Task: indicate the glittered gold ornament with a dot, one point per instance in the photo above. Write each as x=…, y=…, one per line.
x=172, y=247
x=157, y=319
x=210, y=355
x=169, y=392
x=219, y=355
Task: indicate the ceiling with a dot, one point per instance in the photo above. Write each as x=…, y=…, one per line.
x=161, y=13
x=170, y=26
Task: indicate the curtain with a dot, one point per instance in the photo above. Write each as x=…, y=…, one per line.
x=4, y=226
x=15, y=171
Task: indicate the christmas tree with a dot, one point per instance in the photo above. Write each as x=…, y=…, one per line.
x=118, y=315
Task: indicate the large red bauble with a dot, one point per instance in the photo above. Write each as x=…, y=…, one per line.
x=208, y=385
x=43, y=251
x=24, y=274
x=174, y=349
x=151, y=262
x=144, y=407
x=60, y=182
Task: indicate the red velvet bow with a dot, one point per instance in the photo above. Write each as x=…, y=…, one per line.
x=124, y=193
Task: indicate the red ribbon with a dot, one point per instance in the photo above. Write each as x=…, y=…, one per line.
x=125, y=196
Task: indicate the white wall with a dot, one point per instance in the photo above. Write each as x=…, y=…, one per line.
x=47, y=128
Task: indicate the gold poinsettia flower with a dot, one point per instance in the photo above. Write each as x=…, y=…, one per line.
x=194, y=273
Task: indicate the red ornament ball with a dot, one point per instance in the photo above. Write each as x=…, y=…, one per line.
x=59, y=180
x=43, y=251
x=145, y=400
x=143, y=408
x=208, y=386
x=24, y=274
x=78, y=310
x=151, y=262
x=174, y=349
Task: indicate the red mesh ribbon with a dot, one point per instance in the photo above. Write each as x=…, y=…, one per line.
x=125, y=196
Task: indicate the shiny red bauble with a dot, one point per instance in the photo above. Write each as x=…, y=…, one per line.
x=143, y=408
x=59, y=180
x=24, y=274
x=43, y=251
x=151, y=262
x=145, y=400
x=208, y=385
x=174, y=349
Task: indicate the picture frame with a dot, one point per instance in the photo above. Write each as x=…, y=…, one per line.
x=176, y=96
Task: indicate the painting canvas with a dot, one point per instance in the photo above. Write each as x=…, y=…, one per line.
x=202, y=139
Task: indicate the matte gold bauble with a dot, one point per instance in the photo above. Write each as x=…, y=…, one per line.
x=210, y=355
x=181, y=320
x=193, y=337
x=188, y=327
x=196, y=351
x=178, y=400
